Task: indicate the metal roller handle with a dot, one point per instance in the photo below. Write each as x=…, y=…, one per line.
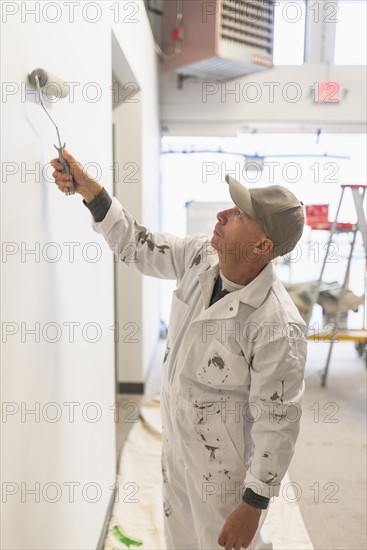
x=64, y=162
x=39, y=77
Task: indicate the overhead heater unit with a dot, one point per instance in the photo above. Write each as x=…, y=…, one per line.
x=222, y=39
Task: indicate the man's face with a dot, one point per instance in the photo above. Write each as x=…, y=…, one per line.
x=235, y=235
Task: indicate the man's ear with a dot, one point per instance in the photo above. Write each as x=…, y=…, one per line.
x=265, y=246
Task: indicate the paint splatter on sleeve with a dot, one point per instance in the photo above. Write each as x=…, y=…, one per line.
x=142, y=236
x=277, y=388
x=196, y=261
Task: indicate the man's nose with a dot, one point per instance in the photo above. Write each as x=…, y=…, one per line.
x=222, y=217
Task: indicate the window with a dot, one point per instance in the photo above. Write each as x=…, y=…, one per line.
x=350, y=39
x=289, y=32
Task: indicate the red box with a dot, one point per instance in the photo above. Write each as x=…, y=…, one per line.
x=329, y=92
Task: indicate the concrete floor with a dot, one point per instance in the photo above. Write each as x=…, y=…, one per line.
x=328, y=470
x=330, y=460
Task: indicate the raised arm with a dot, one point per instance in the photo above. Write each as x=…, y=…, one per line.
x=155, y=254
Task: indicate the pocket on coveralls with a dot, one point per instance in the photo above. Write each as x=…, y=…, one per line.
x=220, y=368
x=219, y=439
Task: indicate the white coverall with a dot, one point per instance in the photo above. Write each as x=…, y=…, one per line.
x=232, y=383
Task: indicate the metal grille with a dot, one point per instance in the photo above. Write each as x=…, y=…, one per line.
x=248, y=23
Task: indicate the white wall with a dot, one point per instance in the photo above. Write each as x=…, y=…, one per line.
x=276, y=100
x=37, y=290
x=129, y=282
x=138, y=141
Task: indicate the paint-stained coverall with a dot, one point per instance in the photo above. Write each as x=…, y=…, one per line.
x=232, y=383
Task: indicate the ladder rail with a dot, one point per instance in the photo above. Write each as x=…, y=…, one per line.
x=334, y=339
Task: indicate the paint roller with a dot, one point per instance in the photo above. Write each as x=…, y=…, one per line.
x=52, y=86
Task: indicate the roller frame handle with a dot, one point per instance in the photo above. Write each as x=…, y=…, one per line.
x=64, y=162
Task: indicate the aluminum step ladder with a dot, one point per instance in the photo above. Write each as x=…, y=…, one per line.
x=359, y=336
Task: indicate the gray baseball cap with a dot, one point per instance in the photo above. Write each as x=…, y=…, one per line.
x=279, y=212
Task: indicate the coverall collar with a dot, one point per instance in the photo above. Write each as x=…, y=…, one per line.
x=252, y=294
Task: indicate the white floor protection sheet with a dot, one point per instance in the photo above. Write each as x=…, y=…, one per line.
x=137, y=515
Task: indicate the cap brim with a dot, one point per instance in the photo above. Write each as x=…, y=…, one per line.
x=241, y=196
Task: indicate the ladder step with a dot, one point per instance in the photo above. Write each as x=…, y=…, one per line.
x=351, y=335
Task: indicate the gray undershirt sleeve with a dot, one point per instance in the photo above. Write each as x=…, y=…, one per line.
x=255, y=500
x=99, y=206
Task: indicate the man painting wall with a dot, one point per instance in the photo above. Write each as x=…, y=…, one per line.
x=233, y=368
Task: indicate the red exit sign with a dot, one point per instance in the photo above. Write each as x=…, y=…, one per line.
x=326, y=92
